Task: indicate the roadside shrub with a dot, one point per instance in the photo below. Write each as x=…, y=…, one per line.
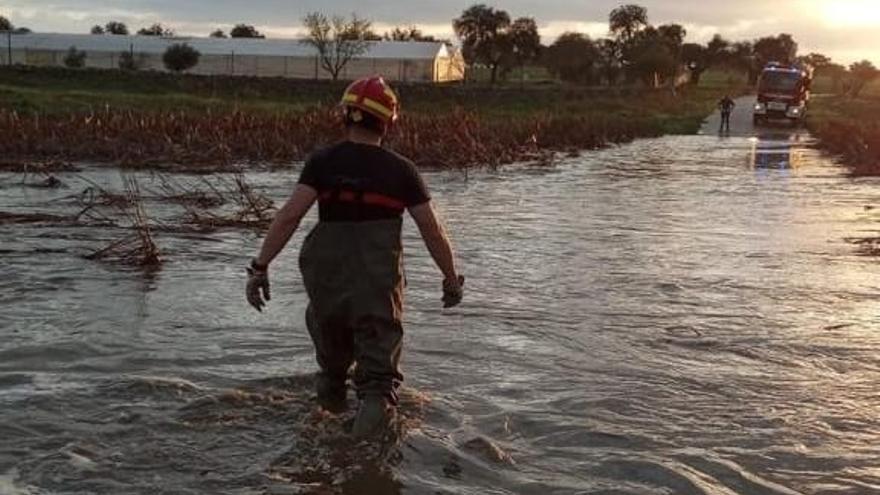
x=75, y=59
x=180, y=57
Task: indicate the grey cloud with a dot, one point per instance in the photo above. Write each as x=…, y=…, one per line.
x=734, y=18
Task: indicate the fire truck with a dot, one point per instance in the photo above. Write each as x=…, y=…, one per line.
x=783, y=92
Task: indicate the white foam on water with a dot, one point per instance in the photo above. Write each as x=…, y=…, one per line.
x=8, y=485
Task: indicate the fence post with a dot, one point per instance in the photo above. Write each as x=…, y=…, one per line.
x=232, y=64
x=316, y=67
x=9, y=47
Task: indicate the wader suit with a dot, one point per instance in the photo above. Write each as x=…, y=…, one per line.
x=352, y=265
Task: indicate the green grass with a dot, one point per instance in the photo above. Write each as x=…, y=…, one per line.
x=49, y=91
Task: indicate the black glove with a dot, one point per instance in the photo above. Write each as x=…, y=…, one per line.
x=453, y=291
x=257, y=291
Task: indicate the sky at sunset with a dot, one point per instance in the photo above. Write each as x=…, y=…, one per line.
x=847, y=30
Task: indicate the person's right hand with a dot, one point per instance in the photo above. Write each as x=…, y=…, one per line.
x=257, y=289
x=453, y=291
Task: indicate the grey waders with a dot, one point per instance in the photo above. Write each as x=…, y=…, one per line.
x=353, y=273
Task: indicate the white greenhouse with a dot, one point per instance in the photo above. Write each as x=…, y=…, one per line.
x=398, y=61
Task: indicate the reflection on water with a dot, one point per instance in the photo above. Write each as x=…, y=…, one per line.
x=653, y=318
x=779, y=151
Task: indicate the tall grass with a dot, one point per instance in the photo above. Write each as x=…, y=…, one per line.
x=850, y=128
x=205, y=123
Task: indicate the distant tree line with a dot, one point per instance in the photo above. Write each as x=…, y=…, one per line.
x=634, y=51
x=6, y=26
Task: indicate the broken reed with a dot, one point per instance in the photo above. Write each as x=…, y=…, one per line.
x=136, y=248
x=216, y=140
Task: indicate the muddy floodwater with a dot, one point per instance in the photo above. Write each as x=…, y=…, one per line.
x=683, y=315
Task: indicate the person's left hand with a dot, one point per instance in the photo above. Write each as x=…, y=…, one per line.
x=257, y=291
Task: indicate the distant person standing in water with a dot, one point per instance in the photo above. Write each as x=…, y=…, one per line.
x=726, y=105
x=351, y=262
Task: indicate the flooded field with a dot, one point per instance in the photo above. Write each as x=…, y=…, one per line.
x=683, y=315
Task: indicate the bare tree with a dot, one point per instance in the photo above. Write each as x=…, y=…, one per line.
x=337, y=40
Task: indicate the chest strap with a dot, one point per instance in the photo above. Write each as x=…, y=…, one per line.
x=367, y=198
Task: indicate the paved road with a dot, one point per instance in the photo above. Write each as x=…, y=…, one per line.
x=774, y=145
x=741, y=123
x=740, y=119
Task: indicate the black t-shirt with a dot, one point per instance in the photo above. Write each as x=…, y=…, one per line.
x=726, y=104
x=360, y=182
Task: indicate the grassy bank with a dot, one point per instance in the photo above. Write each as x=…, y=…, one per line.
x=152, y=119
x=850, y=128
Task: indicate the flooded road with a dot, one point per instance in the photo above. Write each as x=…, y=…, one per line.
x=681, y=315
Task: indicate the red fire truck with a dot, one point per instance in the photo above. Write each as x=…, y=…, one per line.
x=783, y=92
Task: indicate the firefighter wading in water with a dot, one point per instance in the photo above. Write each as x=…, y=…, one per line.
x=351, y=262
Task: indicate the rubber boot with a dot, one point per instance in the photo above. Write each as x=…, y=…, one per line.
x=373, y=418
x=331, y=394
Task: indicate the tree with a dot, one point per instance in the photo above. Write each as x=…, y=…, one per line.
x=815, y=60
x=116, y=27
x=573, y=58
x=863, y=73
x=410, y=33
x=245, y=31
x=782, y=49
x=651, y=56
x=97, y=29
x=672, y=35
x=742, y=58
x=217, y=33
x=75, y=59
x=5, y=24
x=525, y=40
x=837, y=73
x=22, y=30
x=609, y=52
x=485, y=37
x=370, y=35
x=627, y=20
x=696, y=58
x=156, y=29
x=337, y=40
x=180, y=57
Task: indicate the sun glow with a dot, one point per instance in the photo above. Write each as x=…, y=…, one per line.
x=849, y=13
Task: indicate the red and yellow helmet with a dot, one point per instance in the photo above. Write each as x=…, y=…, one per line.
x=374, y=96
